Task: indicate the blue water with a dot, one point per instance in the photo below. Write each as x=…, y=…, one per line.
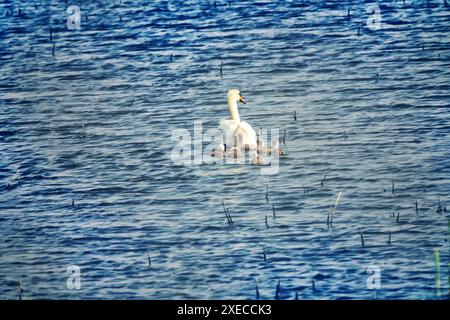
x=371, y=108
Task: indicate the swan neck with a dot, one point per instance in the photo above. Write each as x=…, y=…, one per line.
x=232, y=105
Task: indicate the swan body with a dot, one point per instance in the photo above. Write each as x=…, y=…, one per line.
x=238, y=133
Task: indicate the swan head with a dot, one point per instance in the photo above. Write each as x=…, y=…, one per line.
x=234, y=95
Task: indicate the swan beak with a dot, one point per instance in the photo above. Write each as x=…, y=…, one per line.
x=242, y=99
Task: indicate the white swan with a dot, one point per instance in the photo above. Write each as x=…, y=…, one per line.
x=238, y=133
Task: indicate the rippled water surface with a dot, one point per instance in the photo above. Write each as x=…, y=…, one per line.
x=372, y=108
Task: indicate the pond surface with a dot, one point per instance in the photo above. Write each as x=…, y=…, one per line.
x=87, y=115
